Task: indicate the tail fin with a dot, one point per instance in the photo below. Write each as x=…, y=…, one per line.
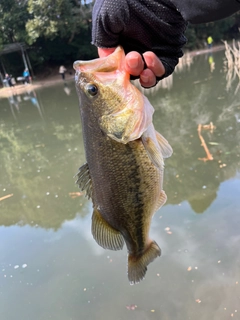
x=137, y=266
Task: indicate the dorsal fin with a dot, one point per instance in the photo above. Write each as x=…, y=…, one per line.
x=84, y=180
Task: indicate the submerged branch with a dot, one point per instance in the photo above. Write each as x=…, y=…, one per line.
x=203, y=143
x=6, y=197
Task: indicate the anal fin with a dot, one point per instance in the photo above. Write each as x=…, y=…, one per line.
x=84, y=180
x=106, y=236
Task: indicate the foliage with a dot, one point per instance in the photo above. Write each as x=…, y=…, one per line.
x=220, y=30
x=13, y=17
x=51, y=19
x=59, y=31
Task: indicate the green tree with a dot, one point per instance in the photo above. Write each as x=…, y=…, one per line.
x=13, y=17
x=56, y=18
x=225, y=29
x=60, y=30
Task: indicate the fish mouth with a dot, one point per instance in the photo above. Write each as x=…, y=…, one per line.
x=109, y=70
x=109, y=63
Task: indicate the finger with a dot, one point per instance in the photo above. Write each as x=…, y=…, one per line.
x=154, y=63
x=134, y=63
x=147, y=78
x=104, y=52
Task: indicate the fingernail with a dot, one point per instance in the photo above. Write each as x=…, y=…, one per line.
x=133, y=62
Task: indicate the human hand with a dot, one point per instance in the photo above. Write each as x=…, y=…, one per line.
x=155, y=32
x=134, y=65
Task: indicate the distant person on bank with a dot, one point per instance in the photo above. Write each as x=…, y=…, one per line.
x=26, y=76
x=209, y=42
x=9, y=80
x=62, y=71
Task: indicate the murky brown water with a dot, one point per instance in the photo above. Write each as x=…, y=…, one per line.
x=51, y=268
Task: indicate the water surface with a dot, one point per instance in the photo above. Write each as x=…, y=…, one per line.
x=50, y=266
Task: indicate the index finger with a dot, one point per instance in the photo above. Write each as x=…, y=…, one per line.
x=154, y=63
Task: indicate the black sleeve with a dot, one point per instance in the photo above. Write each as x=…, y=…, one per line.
x=146, y=25
x=201, y=11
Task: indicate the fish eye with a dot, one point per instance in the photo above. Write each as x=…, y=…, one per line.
x=92, y=89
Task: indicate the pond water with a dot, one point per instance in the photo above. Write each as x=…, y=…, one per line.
x=50, y=266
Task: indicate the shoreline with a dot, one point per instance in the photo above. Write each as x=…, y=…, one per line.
x=203, y=51
x=6, y=92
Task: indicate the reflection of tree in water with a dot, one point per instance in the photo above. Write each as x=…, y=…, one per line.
x=197, y=97
x=40, y=187
x=177, y=117
x=232, y=64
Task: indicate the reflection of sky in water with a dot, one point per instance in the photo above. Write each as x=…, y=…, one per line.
x=66, y=271
x=66, y=275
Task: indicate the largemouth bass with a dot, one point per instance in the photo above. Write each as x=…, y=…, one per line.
x=124, y=171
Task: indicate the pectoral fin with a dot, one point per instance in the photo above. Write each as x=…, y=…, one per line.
x=161, y=200
x=106, y=236
x=166, y=149
x=84, y=180
x=152, y=147
x=153, y=152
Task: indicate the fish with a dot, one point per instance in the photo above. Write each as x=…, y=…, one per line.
x=123, y=173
